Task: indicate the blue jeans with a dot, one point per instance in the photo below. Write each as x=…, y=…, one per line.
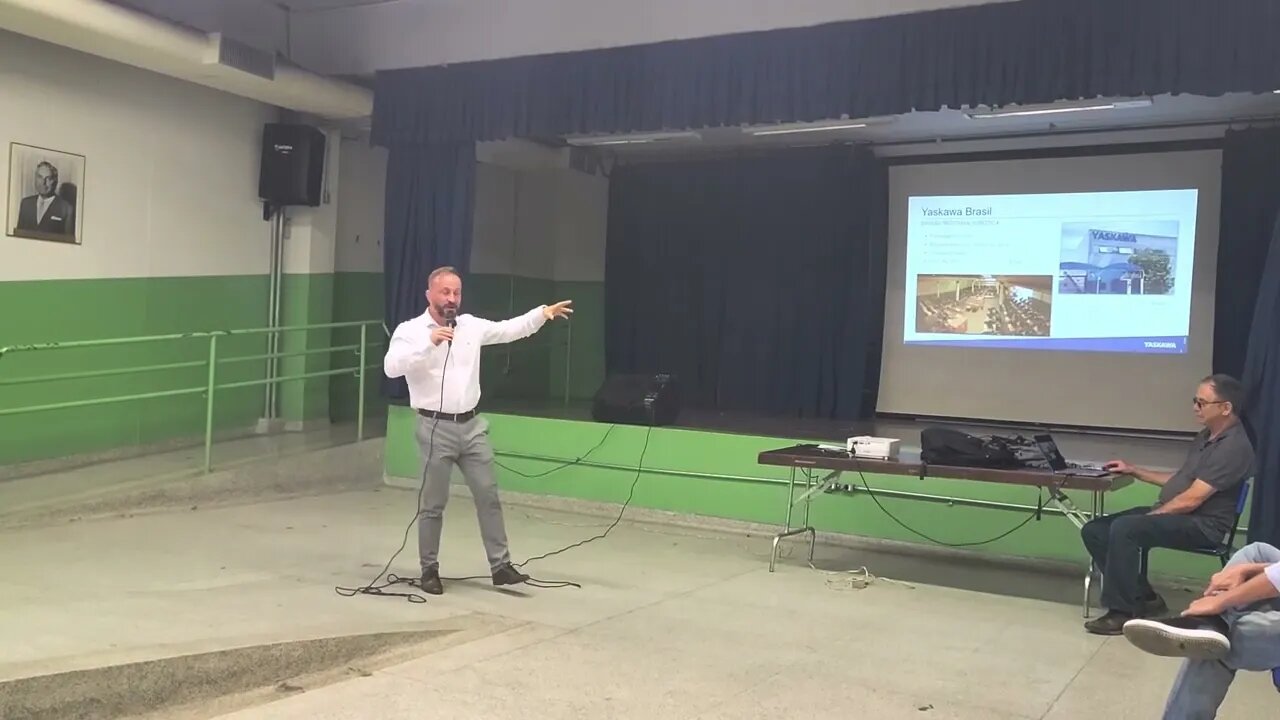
x=1255, y=645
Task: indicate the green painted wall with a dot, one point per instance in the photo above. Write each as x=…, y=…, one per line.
x=357, y=296
x=52, y=311
x=307, y=299
x=735, y=455
x=581, y=339
x=72, y=310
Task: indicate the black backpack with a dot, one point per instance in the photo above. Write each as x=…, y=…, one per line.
x=944, y=446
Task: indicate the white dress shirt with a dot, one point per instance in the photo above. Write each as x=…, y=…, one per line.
x=411, y=355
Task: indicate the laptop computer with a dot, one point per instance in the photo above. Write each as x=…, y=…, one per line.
x=1058, y=464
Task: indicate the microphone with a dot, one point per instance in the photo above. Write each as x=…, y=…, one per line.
x=452, y=316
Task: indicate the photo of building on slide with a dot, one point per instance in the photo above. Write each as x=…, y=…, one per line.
x=1118, y=258
x=1011, y=305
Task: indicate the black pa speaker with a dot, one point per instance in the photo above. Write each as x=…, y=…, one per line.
x=637, y=400
x=292, y=171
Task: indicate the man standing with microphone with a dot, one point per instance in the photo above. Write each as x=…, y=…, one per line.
x=438, y=354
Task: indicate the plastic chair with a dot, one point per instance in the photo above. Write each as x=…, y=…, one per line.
x=1275, y=678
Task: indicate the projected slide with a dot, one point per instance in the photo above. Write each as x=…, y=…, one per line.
x=1102, y=272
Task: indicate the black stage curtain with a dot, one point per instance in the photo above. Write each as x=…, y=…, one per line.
x=430, y=200
x=993, y=54
x=757, y=281
x=1250, y=204
x=1262, y=377
x=1247, y=303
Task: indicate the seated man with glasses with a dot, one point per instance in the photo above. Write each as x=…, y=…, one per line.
x=1195, y=510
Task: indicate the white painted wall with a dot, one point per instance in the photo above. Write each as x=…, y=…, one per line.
x=547, y=223
x=493, y=231
x=361, y=212
x=415, y=33
x=171, y=170
x=582, y=224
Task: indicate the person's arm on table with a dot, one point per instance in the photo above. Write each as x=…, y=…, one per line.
x=1146, y=475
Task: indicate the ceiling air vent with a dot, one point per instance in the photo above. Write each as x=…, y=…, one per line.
x=234, y=54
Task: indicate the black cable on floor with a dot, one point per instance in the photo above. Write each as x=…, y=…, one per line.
x=630, y=495
x=1033, y=516
x=535, y=582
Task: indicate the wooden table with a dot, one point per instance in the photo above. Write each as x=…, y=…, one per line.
x=820, y=469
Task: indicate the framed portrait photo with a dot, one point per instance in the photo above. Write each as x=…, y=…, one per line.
x=46, y=193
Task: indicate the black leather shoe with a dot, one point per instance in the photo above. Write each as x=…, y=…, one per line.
x=507, y=574
x=431, y=584
x=1199, y=638
x=1110, y=624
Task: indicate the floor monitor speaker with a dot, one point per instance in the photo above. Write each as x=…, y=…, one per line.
x=637, y=400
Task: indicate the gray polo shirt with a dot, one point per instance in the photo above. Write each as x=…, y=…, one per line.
x=1223, y=462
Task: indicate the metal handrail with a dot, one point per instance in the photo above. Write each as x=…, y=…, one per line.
x=210, y=388
x=181, y=336
x=99, y=373
x=172, y=366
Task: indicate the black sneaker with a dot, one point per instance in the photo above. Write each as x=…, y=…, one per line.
x=1199, y=638
x=1110, y=624
x=431, y=584
x=507, y=574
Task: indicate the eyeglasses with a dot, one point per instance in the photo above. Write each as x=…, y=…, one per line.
x=1205, y=403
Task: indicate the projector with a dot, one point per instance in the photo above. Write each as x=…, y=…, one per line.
x=879, y=448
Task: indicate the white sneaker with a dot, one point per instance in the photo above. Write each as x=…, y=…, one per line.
x=1198, y=638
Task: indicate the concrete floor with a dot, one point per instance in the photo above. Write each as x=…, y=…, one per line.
x=669, y=623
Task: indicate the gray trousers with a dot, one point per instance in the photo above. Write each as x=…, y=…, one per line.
x=467, y=446
x=1255, y=645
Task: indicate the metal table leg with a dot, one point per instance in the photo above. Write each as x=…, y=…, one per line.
x=1097, y=510
x=812, y=488
x=1078, y=518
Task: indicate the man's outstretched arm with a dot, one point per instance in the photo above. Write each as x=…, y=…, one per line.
x=496, y=333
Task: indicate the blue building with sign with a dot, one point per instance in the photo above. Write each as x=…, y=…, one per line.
x=1099, y=261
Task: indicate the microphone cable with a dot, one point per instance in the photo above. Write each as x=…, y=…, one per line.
x=374, y=587
x=535, y=582
x=563, y=465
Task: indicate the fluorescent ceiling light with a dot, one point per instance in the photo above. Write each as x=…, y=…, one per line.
x=631, y=139
x=1059, y=108
x=793, y=128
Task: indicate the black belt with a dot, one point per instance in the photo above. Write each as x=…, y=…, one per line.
x=453, y=417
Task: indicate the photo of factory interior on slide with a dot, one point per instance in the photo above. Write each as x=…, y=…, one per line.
x=886, y=359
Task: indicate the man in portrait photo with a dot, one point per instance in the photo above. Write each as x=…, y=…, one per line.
x=46, y=212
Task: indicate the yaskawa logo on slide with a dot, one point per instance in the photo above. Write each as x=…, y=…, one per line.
x=1156, y=345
